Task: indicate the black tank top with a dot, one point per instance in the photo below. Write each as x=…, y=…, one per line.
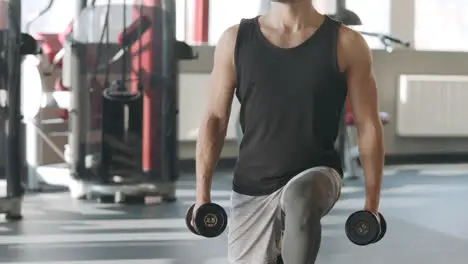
x=291, y=104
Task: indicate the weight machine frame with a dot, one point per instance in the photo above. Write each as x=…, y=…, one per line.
x=162, y=174
x=11, y=204
x=160, y=183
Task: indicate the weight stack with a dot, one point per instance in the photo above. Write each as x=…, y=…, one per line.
x=121, y=137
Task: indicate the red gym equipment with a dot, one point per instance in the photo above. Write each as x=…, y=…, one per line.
x=146, y=59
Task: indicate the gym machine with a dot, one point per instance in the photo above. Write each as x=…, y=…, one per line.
x=121, y=84
x=14, y=47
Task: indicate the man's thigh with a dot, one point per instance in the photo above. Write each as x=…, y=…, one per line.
x=254, y=229
x=318, y=188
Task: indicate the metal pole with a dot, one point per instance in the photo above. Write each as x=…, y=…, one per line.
x=79, y=113
x=169, y=72
x=14, y=153
x=340, y=6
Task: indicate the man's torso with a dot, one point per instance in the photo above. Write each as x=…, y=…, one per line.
x=291, y=103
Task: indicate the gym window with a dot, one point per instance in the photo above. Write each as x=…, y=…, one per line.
x=375, y=17
x=441, y=25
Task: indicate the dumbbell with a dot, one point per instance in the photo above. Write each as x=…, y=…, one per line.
x=210, y=220
x=364, y=228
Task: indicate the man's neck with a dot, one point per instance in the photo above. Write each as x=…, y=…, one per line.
x=293, y=16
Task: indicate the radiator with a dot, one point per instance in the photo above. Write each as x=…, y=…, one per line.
x=432, y=106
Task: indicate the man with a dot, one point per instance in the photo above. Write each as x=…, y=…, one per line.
x=291, y=70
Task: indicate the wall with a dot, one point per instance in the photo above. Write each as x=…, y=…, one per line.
x=387, y=68
x=193, y=87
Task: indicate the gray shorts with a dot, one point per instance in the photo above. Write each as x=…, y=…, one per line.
x=256, y=222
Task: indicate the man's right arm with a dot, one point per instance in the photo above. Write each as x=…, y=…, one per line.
x=215, y=121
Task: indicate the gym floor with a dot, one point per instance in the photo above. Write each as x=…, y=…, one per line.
x=425, y=210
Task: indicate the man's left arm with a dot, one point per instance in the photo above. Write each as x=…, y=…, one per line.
x=362, y=92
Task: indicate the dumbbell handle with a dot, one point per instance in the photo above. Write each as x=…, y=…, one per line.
x=195, y=209
x=189, y=220
x=377, y=215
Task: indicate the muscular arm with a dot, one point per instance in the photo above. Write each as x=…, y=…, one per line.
x=362, y=93
x=216, y=118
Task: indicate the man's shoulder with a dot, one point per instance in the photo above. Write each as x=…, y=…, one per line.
x=244, y=24
x=352, y=47
x=228, y=37
x=349, y=38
